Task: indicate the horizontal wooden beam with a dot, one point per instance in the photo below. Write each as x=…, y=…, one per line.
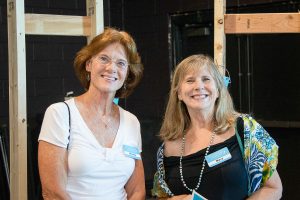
x=67, y=25
x=262, y=23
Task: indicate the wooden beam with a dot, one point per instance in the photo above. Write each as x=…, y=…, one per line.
x=94, y=9
x=17, y=100
x=262, y=23
x=219, y=35
x=68, y=25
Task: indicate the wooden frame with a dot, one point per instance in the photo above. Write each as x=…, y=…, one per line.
x=41, y=24
x=219, y=34
x=262, y=23
x=257, y=23
x=20, y=24
x=17, y=99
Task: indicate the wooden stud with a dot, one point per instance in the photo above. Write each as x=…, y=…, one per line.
x=17, y=100
x=219, y=34
x=95, y=11
x=262, y=23
x=68, y=25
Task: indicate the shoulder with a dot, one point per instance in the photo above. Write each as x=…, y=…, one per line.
x=246, y=117
x=131, y=128
x=249, y=123
x=128, y=116
x=55, y=126
x=251, y=126
x=255, y=134
x=57, y=108
x=172, y=147
x=56, y=113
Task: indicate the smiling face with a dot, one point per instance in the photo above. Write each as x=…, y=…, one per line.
x=108, y=69
x=198, y=90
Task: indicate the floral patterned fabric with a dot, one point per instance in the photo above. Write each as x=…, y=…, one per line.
x=260, y=157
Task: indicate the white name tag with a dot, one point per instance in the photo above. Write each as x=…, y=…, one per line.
x=218, y=157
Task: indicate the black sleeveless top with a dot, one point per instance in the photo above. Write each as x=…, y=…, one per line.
x=227, y=180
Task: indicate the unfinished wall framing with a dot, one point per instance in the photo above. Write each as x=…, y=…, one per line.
x=256, y=23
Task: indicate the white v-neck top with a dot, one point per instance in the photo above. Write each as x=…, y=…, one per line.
x=94, y=172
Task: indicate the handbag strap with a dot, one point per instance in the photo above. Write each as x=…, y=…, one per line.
x=240, y=137
x=69, y=123
x=240, y=133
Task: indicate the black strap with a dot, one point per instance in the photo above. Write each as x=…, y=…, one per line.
x=239, y=132
x=69, y=122
x=240, y=128
x=240, y=136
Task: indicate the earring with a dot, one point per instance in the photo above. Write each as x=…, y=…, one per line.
x=88, y=77
x=124, y=86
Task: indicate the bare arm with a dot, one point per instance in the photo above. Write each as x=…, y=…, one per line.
x=135, y=187
x=272, y=189
x=53, y=171
x=178, y=197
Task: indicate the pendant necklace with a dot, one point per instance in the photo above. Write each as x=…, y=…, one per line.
x=109, y=131
x=203, y=163
x=106, y=120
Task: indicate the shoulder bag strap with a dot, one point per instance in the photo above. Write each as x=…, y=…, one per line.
x=240, y=137
x=240, y=133
x=69, y=123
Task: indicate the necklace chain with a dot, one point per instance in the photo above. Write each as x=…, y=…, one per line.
x=106, y=122
x=108, y=131
x=203, y=163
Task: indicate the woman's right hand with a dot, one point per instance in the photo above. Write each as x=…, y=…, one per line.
x=181, y=197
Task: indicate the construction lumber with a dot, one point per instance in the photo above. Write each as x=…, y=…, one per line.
x=66, y=25
x=259, y=23
x=17, y=100
x=219, y=34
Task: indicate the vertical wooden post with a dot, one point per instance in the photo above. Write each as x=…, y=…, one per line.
x=17, y=100
x=219, y=34
x=95, y=11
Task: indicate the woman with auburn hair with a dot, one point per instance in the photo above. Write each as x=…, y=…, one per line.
x=89, y=147
x=209, y=150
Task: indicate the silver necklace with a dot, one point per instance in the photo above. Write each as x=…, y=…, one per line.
x=108, y=131
x=203, y=163
x=106, y=120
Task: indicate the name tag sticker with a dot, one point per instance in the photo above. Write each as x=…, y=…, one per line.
x=197, y=196
x=131, y=152
x=218, y=157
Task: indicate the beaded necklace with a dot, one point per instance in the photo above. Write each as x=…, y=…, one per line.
x=203, y=163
